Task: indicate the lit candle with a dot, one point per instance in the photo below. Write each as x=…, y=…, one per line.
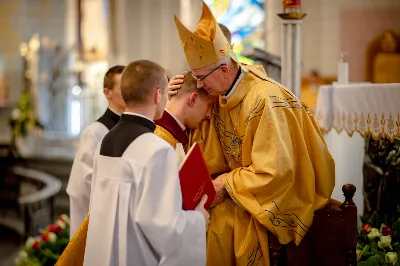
x=291, y=6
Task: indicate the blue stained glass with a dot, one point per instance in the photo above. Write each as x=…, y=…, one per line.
x=245, y=19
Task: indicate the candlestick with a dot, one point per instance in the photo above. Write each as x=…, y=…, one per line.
x=292, y=10
x=291, y=6
x=291, y=45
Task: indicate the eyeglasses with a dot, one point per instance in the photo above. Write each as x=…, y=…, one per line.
x=201, y=79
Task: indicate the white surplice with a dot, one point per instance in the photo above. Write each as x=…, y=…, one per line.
x=80, y=179
x=136, y=215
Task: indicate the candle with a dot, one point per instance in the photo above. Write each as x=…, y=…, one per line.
x=291, y=6
x=291, y=3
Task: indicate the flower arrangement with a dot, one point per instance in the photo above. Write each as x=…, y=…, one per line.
x=378, y=246
x=22, y=117
x=45, y=249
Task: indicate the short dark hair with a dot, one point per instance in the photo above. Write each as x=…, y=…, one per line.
x=190, y=85
x=227, y=33
x=108, y=81
x=139, y=79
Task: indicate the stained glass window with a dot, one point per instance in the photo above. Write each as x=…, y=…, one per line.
x=245, y=19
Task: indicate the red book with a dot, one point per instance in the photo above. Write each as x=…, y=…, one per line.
x=195, y=179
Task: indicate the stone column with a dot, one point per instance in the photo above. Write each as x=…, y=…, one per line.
x=291, y=55
x=291, y=45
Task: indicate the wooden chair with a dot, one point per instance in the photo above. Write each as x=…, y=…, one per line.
x=331, y=239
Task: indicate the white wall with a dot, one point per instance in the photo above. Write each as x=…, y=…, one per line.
x=145, y=29
x=321, y=30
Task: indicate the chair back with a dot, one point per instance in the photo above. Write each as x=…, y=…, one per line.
x=330, y=241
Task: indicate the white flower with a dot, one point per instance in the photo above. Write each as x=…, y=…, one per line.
x=391, y=257
x=374, y=233
x=52, y=237
x=385, y=242
x=61, y=224
x=23, y=255
x=15, y=114
x=65, y=218
x=29, y=242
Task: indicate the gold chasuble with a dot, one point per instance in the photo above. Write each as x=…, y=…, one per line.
x=74, y=253
x=279, y=170
x=209, y=143
x=165, y=135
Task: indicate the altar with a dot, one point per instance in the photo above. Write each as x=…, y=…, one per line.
x=348, y=114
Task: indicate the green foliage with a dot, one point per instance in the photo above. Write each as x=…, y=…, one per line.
x=371, y=261
x=396, y=230
x=375, y=220
x=23, y=117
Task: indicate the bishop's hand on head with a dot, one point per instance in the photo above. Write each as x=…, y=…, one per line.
x=175, y=84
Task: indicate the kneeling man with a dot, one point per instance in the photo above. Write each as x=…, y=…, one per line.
x=186, y=110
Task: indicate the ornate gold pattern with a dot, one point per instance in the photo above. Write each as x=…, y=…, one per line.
x=378, y=125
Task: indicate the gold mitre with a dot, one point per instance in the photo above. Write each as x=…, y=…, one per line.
x=207, y=45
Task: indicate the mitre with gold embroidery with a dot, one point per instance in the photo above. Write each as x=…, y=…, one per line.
x=207, y=45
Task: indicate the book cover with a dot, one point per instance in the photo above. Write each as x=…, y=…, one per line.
x=195, y=179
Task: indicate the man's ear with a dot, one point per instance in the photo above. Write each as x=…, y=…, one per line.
x=107, y=93
x=193, y=98
x=157, y=96
x=224, y=69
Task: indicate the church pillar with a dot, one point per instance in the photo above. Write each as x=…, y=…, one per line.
x=291, y=46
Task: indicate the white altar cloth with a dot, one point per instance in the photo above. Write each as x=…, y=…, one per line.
x=356, y=109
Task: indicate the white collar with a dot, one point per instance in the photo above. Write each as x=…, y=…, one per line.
x=243, y=72
x=112, y=110
x=177, y=120
x=130, y=113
